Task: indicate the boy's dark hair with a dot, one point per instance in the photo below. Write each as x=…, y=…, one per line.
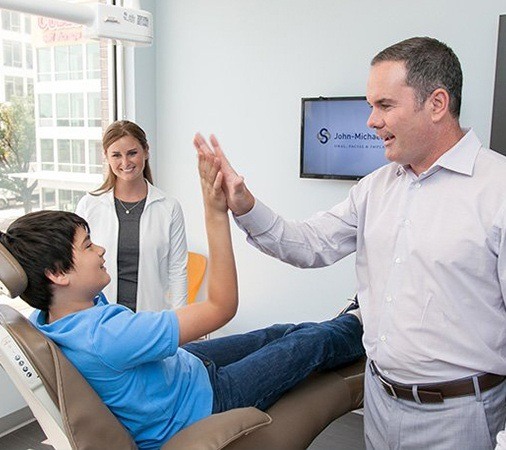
x=42, y=241
x=430, y=64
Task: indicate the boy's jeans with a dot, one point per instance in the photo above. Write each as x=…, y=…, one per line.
x=256, y=368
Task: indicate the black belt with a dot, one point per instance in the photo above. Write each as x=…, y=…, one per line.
x=436, y=393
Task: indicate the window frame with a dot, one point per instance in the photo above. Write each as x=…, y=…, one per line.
x=120, y=100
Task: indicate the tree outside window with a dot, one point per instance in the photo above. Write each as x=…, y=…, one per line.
x=17, y=148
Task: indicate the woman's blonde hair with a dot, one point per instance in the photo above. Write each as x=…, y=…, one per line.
x=115, y=131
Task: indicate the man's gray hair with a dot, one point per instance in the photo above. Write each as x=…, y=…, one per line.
x=430, y=64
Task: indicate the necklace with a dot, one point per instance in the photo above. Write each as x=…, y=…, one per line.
x=127, y=210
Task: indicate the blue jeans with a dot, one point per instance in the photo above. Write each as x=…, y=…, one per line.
x=257, y=368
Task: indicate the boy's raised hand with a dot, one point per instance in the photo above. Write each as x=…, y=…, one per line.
x=239, y=199
x=211, y=180
x=220, y=305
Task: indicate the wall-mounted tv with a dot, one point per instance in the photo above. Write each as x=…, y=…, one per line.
x=335, y=140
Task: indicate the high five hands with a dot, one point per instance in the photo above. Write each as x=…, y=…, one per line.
x=238, y=197
x=211, y=179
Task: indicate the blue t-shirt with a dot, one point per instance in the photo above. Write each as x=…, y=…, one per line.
x=134, y=364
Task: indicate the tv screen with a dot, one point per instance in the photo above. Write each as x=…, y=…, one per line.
x=335, y=140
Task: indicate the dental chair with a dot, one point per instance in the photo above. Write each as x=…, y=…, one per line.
x=73, y=416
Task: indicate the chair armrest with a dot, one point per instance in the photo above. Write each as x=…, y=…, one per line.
x=218, y=430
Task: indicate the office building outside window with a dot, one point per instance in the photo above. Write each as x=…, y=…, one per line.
x=53, y=83
x=54, y=101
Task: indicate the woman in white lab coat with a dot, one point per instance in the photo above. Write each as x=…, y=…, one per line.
x=140, y=227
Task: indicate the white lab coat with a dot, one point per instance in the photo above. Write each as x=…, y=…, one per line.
x=163, y=253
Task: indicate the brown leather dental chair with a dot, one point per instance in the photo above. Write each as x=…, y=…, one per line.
x=73, y=416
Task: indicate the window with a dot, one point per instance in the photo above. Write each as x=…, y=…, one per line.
x=95, y=155
x=78, y=156
x=76, y=196
x=12, y=54
x=48, y=198
x=70, y=110
x=68, y=199
x=11, y=20
x=93, y=60
x=13, y=87
x=67, y=72
x=64, y=155
x=47, y=154
x=94, y=113
x=63, y=109
x=45, y=110
x=56, y=82
x=65, y=198
x=61, y=61
x=69, y=62
x=71, y=155
x=29, y=87
x=29, y=56
x=28, y=24
x=76, y=110
x=44, y=64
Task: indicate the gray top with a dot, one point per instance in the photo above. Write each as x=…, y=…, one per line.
x=129, y=216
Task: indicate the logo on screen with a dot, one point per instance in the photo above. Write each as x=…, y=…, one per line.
x=323, y=136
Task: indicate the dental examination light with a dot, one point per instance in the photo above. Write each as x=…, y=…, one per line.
x=133, y=26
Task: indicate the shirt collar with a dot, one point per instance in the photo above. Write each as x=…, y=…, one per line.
x=40, y=316
x=460, y=158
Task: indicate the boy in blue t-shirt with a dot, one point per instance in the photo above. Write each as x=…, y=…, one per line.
x=146, y=366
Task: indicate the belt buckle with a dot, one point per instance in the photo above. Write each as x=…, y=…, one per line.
x=388, y=387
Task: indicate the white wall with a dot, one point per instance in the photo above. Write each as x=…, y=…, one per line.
x=239, y=68
x=144, y=92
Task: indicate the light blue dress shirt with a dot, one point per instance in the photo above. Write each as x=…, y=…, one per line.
x=430, y=261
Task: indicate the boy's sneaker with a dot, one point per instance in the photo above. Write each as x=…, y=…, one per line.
x=352, y=308
x=351, y=305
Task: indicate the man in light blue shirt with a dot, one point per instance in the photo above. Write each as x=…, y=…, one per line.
x=429, y=233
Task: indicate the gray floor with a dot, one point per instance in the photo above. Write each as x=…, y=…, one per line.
x=346, y=433
x=30, y=437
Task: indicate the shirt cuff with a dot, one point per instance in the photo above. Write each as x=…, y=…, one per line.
x=174, y=330
x=258, y=220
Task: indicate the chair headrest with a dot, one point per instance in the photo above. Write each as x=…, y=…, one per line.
x=13, y=280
